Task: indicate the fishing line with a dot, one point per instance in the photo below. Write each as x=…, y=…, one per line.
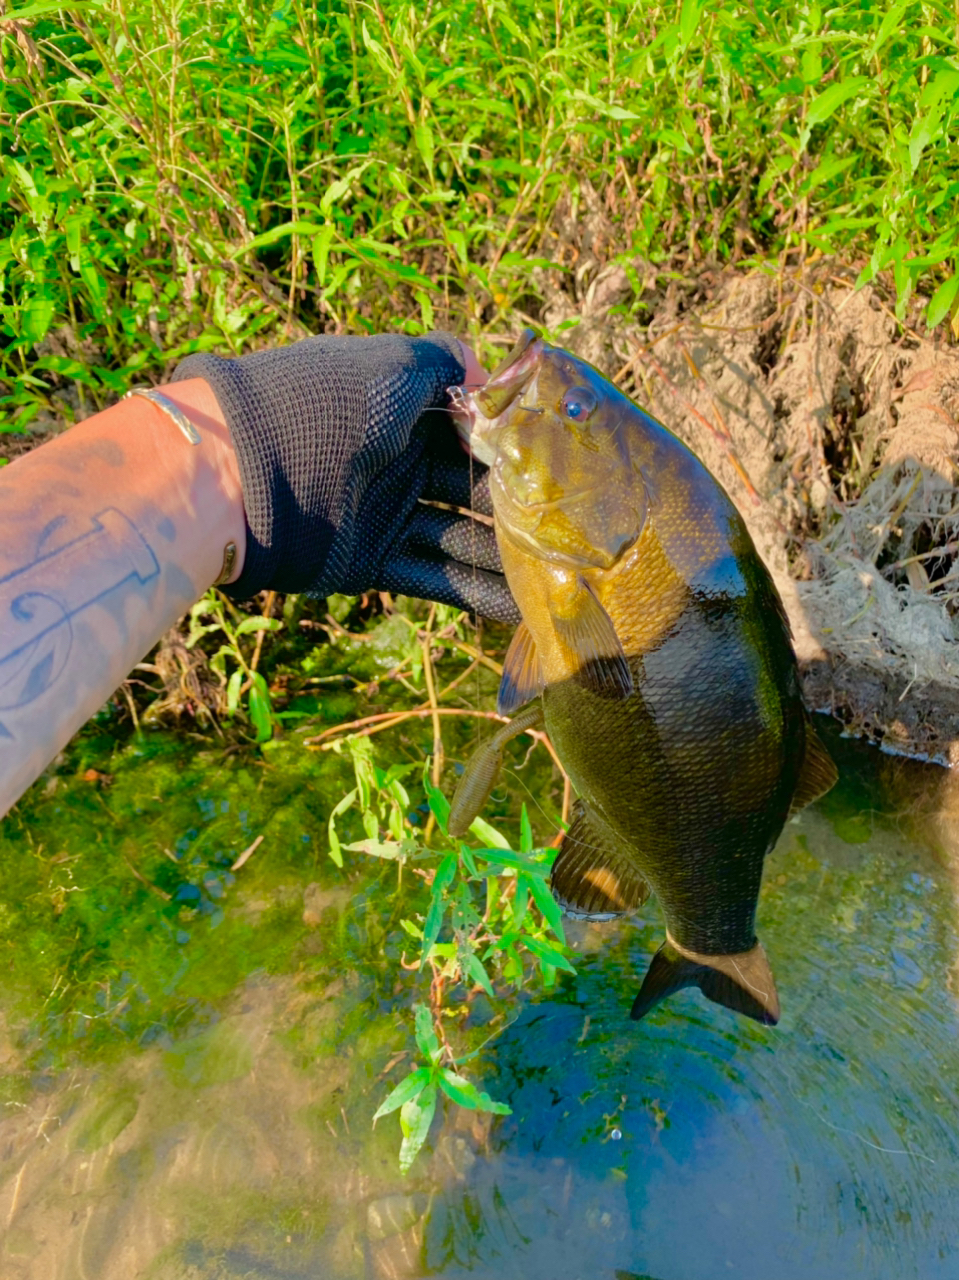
x=511, y=770
x=477, y=629
x=889, y=1151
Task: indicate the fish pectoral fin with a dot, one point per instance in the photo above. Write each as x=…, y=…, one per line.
x=743, y=982
x=818, y=774
x=479, y=776
x=593, y=877
x=522, y=674
x=597, y=652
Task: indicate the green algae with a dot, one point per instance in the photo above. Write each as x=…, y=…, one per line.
x=121, y=917
x=106, y=1120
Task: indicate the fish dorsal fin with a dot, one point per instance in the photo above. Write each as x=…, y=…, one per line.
x=593, y=877
x=743, y=982
x=522, y=674
x=597, y=652
x=818, y=773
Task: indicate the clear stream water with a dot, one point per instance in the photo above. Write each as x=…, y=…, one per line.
x=189, y=1070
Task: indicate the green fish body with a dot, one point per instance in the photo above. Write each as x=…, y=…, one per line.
x=656, y=641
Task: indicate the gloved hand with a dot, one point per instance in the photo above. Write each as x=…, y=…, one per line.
x=337, y=439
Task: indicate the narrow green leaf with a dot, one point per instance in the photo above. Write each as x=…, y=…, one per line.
x=434, y=917
x=259, y=624
x=340, y=808
x=550, y=908
x=416, y=1116
x=925, y=128
x=426, y=307
x=458, y=240
x=828, y=102
x=405, y=272
x=390, y=850
x=475, y=969
x=439, y=805
x=233, y=690
x=406, y=1090
x=890, y=23
x=335, y=846
x=51, y=6
x=469, y=862
x=688, y=21
x=321, y=251
x=66, y=368
x=507, y=858
x=277, y=233
x=831, y=167
x=600, y=107
x=543, y=951
x=423, y=137
x=378, y=52
x=483, y=831
x=940, y=306
x=525, y=831
x=260, y=708
x=426, y=1037
x=36, y=318
x=465, y=1094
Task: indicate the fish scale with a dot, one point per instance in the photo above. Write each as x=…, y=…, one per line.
x=658, y=648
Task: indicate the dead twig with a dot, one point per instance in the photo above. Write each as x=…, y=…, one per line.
x=247, y=853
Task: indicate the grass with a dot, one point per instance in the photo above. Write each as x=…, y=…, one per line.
x=179, y=177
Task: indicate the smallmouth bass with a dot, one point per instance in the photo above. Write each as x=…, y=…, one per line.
x=655, y=649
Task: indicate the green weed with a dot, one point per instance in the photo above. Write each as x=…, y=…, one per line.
x=244, y=680
x=490, y=909
x=176, y=178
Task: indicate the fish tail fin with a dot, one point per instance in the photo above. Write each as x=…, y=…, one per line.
x=743, y=982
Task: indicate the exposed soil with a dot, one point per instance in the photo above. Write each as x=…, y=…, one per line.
x=834, y=429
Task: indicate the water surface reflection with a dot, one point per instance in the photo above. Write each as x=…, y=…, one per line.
x=690, y=1147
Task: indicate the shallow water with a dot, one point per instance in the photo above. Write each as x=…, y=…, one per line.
x=188, y=1080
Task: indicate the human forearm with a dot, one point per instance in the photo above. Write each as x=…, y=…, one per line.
x=107, y=535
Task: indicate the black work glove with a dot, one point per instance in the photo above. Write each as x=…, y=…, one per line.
x=336, y=444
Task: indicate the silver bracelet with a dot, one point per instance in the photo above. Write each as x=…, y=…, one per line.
x=170, y=409
x=189, y=430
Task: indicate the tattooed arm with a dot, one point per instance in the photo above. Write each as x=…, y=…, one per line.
x=107, y=535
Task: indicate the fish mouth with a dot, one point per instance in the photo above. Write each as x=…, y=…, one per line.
x=512, y=376
x=477, y=411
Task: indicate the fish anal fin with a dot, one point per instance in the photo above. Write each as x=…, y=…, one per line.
x=587, y=632
x=479, y=776
x=522, y=674
x=818, y=774
x=742, y=982
x=593, y=877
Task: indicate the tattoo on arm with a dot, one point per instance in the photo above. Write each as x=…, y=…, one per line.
x=39, y=600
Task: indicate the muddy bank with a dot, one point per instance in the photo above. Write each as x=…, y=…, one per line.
x=834, y=430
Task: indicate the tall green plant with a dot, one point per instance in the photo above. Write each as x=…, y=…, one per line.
x=179, y=177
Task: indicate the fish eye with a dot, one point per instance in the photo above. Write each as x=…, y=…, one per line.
x=579, y=403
